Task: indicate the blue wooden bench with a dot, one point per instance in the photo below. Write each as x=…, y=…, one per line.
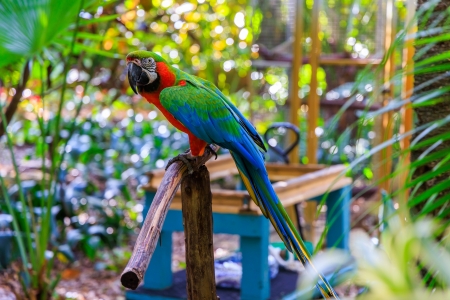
x=242, y=218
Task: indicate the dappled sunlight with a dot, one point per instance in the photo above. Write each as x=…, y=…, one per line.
x=349, y=98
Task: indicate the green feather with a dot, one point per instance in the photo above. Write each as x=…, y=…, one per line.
x=145, y=54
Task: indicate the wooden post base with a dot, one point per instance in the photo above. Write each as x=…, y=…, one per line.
x=197, y=218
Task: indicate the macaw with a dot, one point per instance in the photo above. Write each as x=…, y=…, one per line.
x=199, y=109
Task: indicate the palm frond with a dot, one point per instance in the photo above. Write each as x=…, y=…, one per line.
x=28, y=26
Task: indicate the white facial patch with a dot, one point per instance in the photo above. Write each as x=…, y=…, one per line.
x=149, y=67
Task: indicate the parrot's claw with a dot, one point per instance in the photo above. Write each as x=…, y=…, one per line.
x=185, y=158
x=211, y=150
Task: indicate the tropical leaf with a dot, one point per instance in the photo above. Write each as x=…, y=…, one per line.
x=28, y=26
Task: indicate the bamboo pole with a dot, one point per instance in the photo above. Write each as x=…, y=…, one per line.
x=296, y=65
x=196, y=201
x=249, y=83
x=313, y=99
x=310, y=207
x=407, y=91
x=380, y=33
x=294, y=156
x=151, y=229
x=388, y=122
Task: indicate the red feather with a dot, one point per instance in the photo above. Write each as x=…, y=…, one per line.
x=167, y=79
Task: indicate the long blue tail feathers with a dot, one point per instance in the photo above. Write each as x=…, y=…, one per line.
x=256, y=180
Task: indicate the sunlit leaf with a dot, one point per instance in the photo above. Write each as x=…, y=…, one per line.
x=35, y=22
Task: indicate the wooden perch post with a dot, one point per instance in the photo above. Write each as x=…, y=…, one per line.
x=196, y=200
x=151, y=229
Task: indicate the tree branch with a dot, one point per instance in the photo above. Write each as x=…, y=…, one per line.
x=151, y=229
x=12, y=107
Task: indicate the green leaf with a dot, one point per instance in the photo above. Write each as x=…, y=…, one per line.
x=436, y=189
x=35, y=22
x=96, y=37
x=100, y=19
x=368, y=173
x=66, y=251
x=434, y=39
x=79, y=47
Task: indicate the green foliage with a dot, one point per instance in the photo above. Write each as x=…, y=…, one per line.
x=403, y=264
x=411, y=259
x=96, y=140
x=36, y=25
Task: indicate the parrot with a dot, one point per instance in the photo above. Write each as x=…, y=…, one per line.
x=198, y=108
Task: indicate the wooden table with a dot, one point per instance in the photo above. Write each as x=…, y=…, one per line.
x=235, y=213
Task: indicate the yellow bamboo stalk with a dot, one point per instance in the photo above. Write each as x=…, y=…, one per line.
x=296, y=65
x=407, y=91
x=313, y=99
x=387, y=119
x=313, y=115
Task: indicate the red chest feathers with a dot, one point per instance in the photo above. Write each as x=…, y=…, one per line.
x=167, y=79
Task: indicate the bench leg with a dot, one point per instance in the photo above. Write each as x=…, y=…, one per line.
x=159, y=272
x=338, y=218
x=255, y=282
x=309, y=214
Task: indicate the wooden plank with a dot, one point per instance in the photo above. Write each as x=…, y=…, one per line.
x=313, y=99
x=354, y=106
x=362, y=62
x=225, y=209
x=296, y=65
x=225, y=166
x=324, y=61
x=318, y=176
x=279, y=172
x=294, y=196
x=222, y=197
x=219, y=168
x=290, y=192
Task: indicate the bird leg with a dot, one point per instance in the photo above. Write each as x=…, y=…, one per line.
x=211, y=150
x=186, y=158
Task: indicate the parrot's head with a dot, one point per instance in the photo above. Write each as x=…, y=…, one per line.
x=142, y=71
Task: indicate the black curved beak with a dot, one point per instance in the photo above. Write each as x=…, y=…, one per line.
x=136, y=76
x=134, y=73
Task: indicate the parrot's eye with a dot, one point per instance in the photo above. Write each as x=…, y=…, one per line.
x=149, y=64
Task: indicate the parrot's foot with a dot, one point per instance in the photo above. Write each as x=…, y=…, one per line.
x=211, y=150
x=185, y=158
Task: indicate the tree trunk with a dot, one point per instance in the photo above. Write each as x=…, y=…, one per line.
x=427, y=114
x=12, y=107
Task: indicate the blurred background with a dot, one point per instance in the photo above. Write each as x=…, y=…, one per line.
x=76, y=143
